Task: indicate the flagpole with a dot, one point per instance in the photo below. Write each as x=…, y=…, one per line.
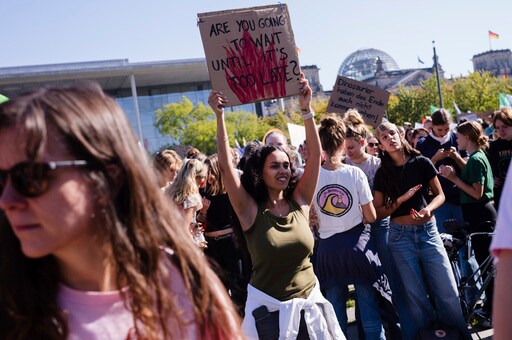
x=489, y=36
x=437, y=76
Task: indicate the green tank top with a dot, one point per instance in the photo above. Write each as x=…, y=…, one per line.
x=280, y=249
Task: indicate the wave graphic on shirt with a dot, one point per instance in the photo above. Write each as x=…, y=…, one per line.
x=334, y=205
x=334, y=200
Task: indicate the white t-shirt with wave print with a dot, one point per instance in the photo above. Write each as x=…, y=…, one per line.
x=338, y=197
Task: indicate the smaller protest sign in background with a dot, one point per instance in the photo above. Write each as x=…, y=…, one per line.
x=3, y=98
x=182, y=150
x=370, y=101
x=297, y=134
x=251, y=53
x=505, y=100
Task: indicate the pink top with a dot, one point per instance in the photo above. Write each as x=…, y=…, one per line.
x=103, y=315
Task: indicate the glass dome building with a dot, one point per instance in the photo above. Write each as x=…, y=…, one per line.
x=363, y=64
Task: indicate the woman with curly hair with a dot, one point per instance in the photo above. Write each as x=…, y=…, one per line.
x=89, y=244
x=284, y=298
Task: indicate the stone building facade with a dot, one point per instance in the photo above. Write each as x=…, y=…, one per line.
x=497, y=62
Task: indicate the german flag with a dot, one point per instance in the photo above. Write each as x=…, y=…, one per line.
x=493, y=35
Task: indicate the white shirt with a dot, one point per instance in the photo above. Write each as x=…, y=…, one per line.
x=319, y=315
x=338, y=196
x=369, y=167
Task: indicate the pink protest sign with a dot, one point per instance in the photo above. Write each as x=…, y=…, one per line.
x=251, y=53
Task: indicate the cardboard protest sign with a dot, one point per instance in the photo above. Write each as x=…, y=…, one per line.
x=370, y=101
x=467, y=116
x=251, y=53
x=473, y=115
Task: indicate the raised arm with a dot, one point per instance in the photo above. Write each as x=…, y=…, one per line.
x=243, y=204
x=305, y=189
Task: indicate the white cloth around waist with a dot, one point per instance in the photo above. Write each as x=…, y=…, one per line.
x=319, y=315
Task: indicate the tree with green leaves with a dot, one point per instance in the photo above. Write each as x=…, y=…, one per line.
x=477, y=92
x=175, y=118
x=195, y=125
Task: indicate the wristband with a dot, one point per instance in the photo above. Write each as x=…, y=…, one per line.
x=307, y=116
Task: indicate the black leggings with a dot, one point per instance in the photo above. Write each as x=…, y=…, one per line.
x=475, y=214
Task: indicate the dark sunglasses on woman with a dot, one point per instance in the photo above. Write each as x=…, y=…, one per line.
x=32, y=179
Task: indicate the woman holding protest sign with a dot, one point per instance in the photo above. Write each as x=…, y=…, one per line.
x=284, y=297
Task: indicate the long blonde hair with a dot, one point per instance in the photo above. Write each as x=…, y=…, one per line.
x=135, y=218
x=185, y=184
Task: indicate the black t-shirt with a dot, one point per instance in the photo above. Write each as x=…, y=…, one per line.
x=218, y=215
x=417, y=170
x=500, y=153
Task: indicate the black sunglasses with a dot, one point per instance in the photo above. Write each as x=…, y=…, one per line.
x=372, y=145
x=30, y=179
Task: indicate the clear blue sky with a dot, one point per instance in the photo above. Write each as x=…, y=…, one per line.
x=59, y=31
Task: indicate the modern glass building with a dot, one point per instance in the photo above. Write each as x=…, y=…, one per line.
x=139, y=88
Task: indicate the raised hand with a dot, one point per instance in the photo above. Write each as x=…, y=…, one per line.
x=447, y=171
x=217, y=102
x=306, y=95
x=408, y=194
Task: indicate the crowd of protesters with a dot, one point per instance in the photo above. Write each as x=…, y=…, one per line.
x=262, y=242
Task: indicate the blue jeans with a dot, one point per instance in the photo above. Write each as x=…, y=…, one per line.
x=397, y=328
x=424, y=267
x=367, y=300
